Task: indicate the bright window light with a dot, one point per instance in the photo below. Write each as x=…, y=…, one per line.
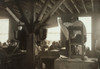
x=88, y=25
x=53, y=34
x=4, y=30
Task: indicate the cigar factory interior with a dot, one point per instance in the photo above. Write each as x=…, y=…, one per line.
x=49, y=34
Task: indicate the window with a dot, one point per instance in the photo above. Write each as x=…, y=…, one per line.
x=88, y=25
x=53, y=34
x=4, y=30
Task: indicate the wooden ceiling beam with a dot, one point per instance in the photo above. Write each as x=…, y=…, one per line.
x=75, y=6
x=59, y=7
x=92, y=3
x=13, y=15
x=54, y=4
x=16, y=19
x=21, y=12
x=53, y=10
x=84, y=6
x=43, y=10
x=66, y=5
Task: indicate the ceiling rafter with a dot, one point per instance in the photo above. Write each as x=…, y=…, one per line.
x=47, y=5
x=13, y=15
x=66, y=5
x=75, y=6
x=21, y=11
x=59, y=7
x=92, y=3
x=43, y=10
x=51, y=6
x=53, y=10
x=84, y=6
x=16, y=19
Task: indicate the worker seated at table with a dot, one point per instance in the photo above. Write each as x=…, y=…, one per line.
x=48, y=56
x=55, y=46
x=44, y=46
x=13, y=46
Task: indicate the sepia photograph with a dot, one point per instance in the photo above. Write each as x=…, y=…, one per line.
x=49, y=34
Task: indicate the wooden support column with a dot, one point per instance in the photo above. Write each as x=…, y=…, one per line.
x=28, y=62
x=30, y=58
x=92, y=3
x=30, y=55
x=95, y=24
